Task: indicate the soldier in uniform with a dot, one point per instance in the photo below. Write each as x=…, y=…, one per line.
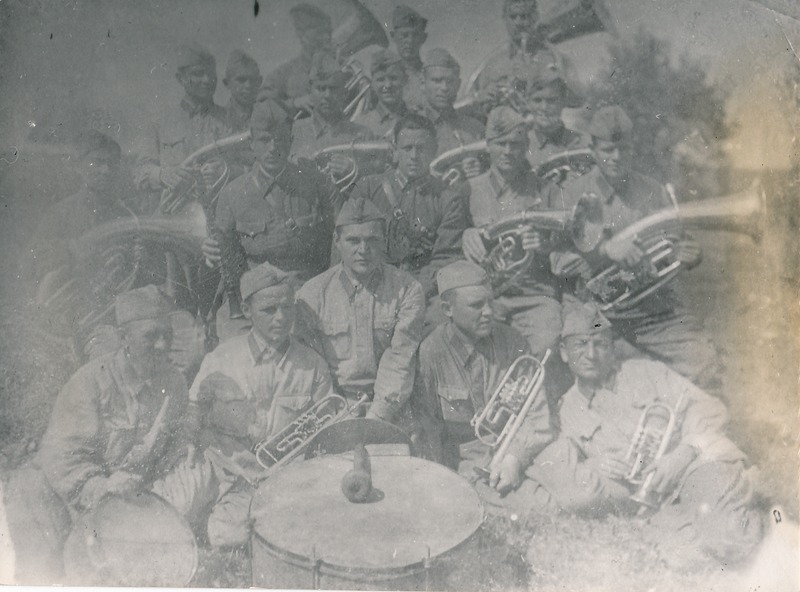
x=387, y=83
x=424, y=218
x=442, y=81
x=460, y=366
x=408, y=34
x=328, y=125
x=532, y=304
x=510, y=68
x=659, y=325
x=242, y=79
x=197, y=122
x=247, y=390
x=702, y=492
x=279, y=212
x=364, y=316
x=289, y=84
x=547, y=96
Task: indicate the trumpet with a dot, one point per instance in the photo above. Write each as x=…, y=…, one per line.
x=501, y=418
x=649, y=443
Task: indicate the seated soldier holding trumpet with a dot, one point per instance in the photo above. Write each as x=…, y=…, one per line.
x=636, y=435
x=461, y=364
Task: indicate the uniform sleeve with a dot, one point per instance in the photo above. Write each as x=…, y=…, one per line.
x=322, y=385
x=426, y=409
x=306, y=323
x=147, y=170
x=396, y=368
x=69, y=453
x=224, y=218
x=447, y=247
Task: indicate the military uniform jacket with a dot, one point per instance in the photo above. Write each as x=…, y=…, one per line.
x=457, y=378
x=413, y=92
x=508, y=66
x=368, y=334
x=106, y=419
x=252, y=392
x=380, y=121
x=641, y=197
x=286, y=220
x=541, y=148
x=453, y=129
x=435, y=218
x=312, y=134
x=603, y=425
x=176, y=135
x=492, y=199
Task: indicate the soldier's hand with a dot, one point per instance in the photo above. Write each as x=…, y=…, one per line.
x=508, y=475
x=609, y=467
x=669, y=469
x=212, y=172
x=211, y=251
x=123, y=482
x=626, y=252
x=472, y=245
x=471, y=166
x=340, y=165
x=176, y=178
x=531, y=240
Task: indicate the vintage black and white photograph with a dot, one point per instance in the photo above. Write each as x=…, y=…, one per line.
x=461, y=295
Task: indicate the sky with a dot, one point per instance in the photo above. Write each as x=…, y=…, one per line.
x=74, y=62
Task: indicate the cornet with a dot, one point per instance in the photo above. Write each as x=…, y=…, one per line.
x=502, y=417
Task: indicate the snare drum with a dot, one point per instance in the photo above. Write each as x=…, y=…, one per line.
x=135, y=540
x=308, y=535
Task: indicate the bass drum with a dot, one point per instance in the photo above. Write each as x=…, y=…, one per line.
x=307, y=535
x=136, y=540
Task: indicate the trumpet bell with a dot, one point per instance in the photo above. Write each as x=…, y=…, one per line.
x=361, y=29
x=569, y=19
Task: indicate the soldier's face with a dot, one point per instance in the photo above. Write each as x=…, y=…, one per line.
x=508, y=153
x=98, y=170
x=408, y=40
x=361, y=247
x=613, y=158
x=414, y=152
x=329, y=98
x=519, y=18
x=199, y=82
x=545, y=106
x=388, y=85
x=271, y=149
x=243, y=85
x=441, y=86
x=589, y=357
x=470, y=309
x=147, y=342
x=272, y=316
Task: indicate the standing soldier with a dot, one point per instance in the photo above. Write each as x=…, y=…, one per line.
x=328, y=124
x=242, y=79
x=531, y=305
x=408, y=34
x=509, y=69
x=659, y=324
x=289, y=84
x=548, y=95
x=196, y=123
x=278, y=212
x=388, y=79
x=425, y=219
x=363, y=316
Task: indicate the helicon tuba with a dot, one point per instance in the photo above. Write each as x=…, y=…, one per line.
x=500, y=420
x=447, y=166
x=354, y=152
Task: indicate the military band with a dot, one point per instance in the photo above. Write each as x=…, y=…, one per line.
x=363, y=273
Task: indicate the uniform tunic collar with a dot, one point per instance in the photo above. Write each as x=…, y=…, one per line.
x=262, y=352
x=194, y=109
x=351, y=286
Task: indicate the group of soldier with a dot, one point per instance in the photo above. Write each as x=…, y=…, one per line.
x=378, y=288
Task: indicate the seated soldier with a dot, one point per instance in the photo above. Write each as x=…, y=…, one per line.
x=424, y=217
x=388, y=79
x=531, y=304
x=699, y=487
x=460, y=365
x=659, y=325
x=408, y=34
x=278, y=212
x=328, y=124
x=363, y=316
x=114, y=429
x=247, y=390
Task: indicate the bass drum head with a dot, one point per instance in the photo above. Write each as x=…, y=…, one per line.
x=136, y=540
x=417, y=510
